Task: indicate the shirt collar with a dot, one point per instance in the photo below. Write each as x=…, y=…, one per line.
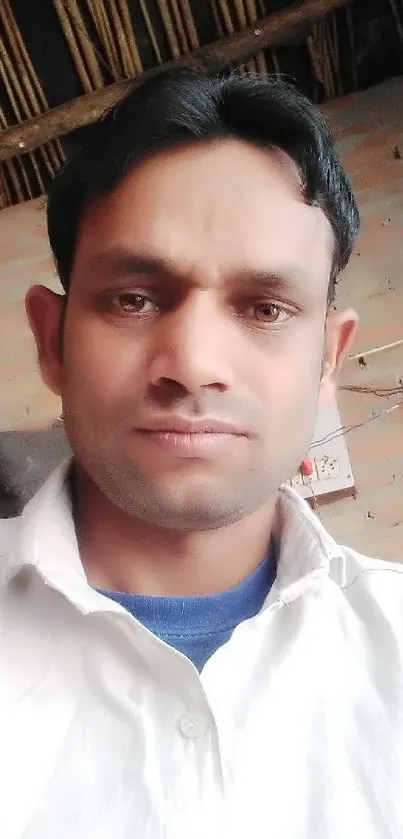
x=46, y=541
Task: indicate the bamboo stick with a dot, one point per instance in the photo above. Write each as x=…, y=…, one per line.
x=97, y=13
x=261, y=65
x=273, y=52
x=68, y=33
x=127, y=63
x=86, y=47
x=6, y=198
x=314, y=59
x=17, y=112
x=9, y=72
x=130, y=36
x=240, y=12
x=23, y=174
x=238, y=47
x=319, y=47
x=3, y=124
x=9, y=89
x=23, y=74
x=260, y=58
x=17, y=41
x=103, y=28
x=230, y=27
x=150, y=30
x=169, y=28
x=331, y=49
x=180, y=29
x=36, y=99
x=190, y=24
x=226, y=15
x=276, y=62
x=216, y=16
x=336, y=54
x=10, y=166
x=251, y=10
x=5, y=67
x=37, y=172
x=56, y=148
x=329, y=67
x=396, y=17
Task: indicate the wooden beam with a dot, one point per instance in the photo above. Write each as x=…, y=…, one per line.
x=234, y=49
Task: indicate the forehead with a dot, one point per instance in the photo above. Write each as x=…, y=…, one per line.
x=227, y=204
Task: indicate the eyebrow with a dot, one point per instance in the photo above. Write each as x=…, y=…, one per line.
x=286, y=279
x=118, y=261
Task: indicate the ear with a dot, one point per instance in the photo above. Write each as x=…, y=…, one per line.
x=45, y=311
x=340, y=332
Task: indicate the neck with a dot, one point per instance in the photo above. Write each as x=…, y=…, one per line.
x=125, y=554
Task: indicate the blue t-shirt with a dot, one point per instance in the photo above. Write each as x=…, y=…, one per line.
x=198, y=625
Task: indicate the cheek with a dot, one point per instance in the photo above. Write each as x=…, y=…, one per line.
x=291, y=404
x=290, y=408
x=101, y=367
x=289, y=374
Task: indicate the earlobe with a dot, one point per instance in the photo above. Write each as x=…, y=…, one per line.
x=44, y=310
x=340, y=332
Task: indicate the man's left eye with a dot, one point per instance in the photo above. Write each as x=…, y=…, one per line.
x=267, y=313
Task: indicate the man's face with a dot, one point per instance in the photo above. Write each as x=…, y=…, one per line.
x=198, y=295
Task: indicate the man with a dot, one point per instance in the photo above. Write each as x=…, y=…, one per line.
x=185, y=651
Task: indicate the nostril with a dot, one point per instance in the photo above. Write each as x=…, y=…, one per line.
x=170, y=384
x=168, y=388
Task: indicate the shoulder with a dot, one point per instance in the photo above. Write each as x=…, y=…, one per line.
x=371, y=586
x=9, y=538
x=9, y=529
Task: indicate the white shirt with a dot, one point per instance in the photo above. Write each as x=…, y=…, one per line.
x=293, y=730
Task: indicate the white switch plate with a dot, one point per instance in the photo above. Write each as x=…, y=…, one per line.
x=327, y=466
x=330, y=458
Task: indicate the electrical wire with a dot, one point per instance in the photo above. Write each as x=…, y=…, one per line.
x=374, y=350
x=346, y=429
x=376, y=391
x=380, y=392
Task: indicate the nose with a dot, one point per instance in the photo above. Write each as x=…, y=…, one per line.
x=192, y=348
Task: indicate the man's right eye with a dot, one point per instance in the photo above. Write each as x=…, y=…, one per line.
x=133, y=303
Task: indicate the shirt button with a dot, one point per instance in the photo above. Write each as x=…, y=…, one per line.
x=191, y=727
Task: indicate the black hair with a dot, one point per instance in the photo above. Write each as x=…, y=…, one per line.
x=188, y=106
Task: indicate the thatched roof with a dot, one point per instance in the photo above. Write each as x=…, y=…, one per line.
x=108, y=42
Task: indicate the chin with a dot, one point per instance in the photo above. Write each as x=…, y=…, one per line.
x=177, y=505
x=193, y=519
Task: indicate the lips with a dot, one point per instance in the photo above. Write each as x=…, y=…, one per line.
x=181, y=425
x=191, y=438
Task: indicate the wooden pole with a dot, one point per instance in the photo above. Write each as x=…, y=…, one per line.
x=236, y=48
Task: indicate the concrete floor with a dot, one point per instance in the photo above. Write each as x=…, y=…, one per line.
x=369, y=130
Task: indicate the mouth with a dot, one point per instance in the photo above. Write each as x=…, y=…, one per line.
x=191, y=438
x=183, y=425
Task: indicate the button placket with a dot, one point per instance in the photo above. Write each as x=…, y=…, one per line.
x=192, y=726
